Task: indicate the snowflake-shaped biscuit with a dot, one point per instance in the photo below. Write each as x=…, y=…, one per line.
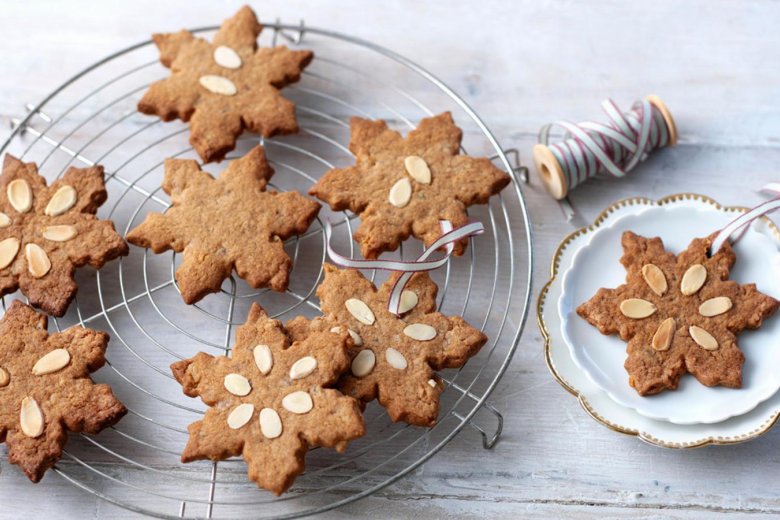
x=270, y=401
x=224, y=223
x=225, y=86
x=406, y=186
x=678, y=314
x=394, y=359
x=45, y=388
x=46, y=232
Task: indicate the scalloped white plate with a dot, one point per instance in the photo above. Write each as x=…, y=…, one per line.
x=755, y=418
x=597, y=264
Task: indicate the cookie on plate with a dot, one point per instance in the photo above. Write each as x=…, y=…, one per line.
x=225, y=223
x=46, y=232
x=405, y=186
x=225, y=86
x=45, y=388
x=394, y=359
x=678, y=314
x=271, y=400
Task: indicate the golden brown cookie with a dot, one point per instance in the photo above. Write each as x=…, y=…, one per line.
x=393, y=359
x=46, y=232
x=270, y=402
x=45, y=388
x=406, y=186
x=678, y=314
x=224, y=223
x=225, y=86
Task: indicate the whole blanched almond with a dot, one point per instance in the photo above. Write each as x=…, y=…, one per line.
x=19, y=195
x=298, y=402
x=408, y=301
x=62, y=201
x=240, y=415
x=655, y=278
x=662, y=339
x=360, y=310
x=420, y=332
x=693, y=279
x=226, y=57
x=715, y=306
x=8, y=251
x=270, y=423
x=395, y=359
x=218, y=85
x=5, y=220
x=303, y=367
x=364, y=362
x=263, y=358
x=418, y=169
x=400, y=193
x=237, y=384
x=61, y=233
x=31, y=418
x=703, y=338
x=55, y=360
x=637, y=308
x=38, y=263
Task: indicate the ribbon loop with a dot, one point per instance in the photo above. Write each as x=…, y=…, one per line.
x=739, y=225
x=408, y=268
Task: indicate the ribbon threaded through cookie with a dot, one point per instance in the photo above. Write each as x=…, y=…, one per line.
x=740, y=224
x=408, y=268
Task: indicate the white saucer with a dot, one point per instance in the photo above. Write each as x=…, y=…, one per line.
x=593, y=369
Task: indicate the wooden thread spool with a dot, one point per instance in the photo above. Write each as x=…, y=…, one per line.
x=551, y=171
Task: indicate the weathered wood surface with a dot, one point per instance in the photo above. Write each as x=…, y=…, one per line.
x=519, y=64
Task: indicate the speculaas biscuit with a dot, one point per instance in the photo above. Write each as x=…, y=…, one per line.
x=224, y=223
x=678, y=314
x=270, y=402
x=45, y=388
x=46, y=232
x=406, y=186
x=393, y=359
x=225, y=86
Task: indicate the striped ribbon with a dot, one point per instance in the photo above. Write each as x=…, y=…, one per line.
x=408, y=268
x=591, y=148
x=737, y=227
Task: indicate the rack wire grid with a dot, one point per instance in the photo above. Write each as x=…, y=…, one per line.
x=92, y=119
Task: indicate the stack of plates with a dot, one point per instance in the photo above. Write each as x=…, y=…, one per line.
x=590, y=365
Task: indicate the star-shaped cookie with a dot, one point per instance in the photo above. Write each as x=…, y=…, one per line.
x=394, y=359
x=46, y=232
x=225, y=86
x=406, y=186
x=219, y=224
x=45, y=388
x=678, y=314
x=271, y=401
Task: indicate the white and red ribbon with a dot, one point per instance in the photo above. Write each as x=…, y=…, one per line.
x=737, y=227
x=408, y=268
x=591, y=148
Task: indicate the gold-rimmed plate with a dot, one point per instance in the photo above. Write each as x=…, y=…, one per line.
x=745, y=426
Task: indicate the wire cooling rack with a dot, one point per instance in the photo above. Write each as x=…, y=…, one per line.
x=91, y=119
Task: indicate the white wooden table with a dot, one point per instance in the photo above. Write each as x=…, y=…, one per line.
x=519, y=64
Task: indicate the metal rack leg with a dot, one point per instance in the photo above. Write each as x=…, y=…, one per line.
x=295, y=38
x=518, y=168
x=489, y=440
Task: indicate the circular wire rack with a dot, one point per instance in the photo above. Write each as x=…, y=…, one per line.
x=92, y=119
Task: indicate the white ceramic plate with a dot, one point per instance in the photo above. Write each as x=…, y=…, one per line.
x=597, y=265
x=596, y=401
